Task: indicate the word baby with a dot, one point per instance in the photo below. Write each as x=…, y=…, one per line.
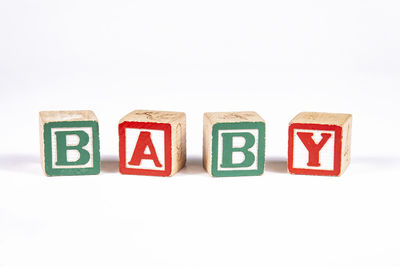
x=154, y=143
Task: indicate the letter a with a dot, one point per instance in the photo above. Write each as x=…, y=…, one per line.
x=313, y=148
x=143, y=142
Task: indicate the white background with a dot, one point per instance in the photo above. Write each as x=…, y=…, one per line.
x=274, y=57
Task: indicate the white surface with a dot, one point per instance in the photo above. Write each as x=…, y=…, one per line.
x=275, y=57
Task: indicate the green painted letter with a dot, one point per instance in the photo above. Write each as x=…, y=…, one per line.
x=228, y=150
x=62, y=148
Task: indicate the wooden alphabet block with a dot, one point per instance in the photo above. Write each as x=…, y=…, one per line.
x=152, y=143
x=319, y=143
x=233, y=143
x=69, y=142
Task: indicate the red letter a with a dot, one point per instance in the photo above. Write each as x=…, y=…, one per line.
x=312, y=147
x=144, y=141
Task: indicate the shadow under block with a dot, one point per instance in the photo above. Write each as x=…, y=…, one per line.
x=152, y=143
x=233, y=143
x=319, y=143
x=69, y=142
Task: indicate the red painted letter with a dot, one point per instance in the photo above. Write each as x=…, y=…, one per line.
x=312, y=147
x=144, y=141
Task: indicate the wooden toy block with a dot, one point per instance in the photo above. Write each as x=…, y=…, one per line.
x=233, y=143
x=319, y=143
x=69, y=142
x=152, y=143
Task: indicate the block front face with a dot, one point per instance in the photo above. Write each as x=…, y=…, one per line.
x=71, y=148
x=238, y=149
x=315, y=149
x=145, y=148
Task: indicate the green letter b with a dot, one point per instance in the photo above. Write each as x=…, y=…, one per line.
x=228, y=150
x=62, y=148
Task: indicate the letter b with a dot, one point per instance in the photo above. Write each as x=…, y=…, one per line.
x=62, y=148
x=228, y=150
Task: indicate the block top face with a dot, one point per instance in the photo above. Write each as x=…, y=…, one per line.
x=153, y=116
x=240, y=116
x=71, y=115
x=321, y=118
